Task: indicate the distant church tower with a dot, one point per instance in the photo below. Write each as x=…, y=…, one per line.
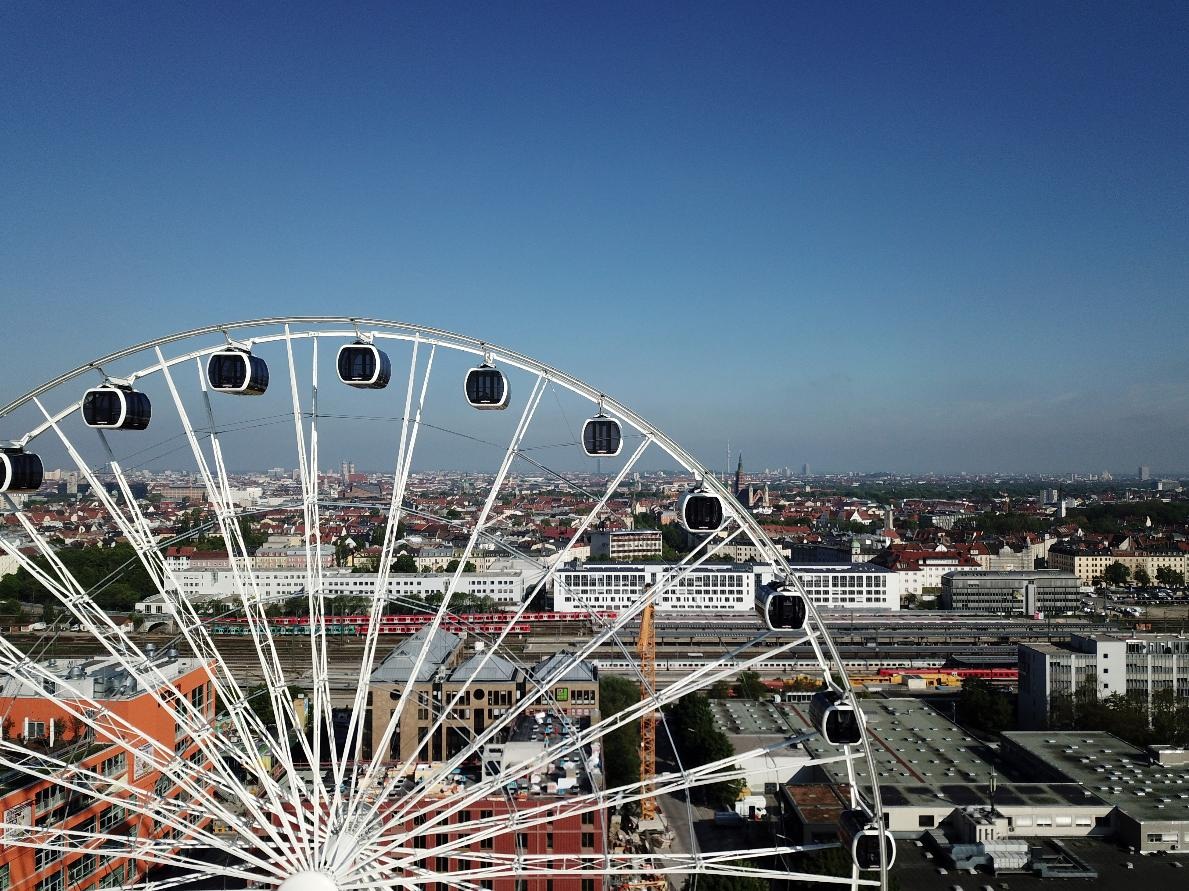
x=739, y=478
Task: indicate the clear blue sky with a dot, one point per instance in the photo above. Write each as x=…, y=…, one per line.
x=946, y=236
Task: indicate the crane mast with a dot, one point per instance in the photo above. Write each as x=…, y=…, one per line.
x=646, y=649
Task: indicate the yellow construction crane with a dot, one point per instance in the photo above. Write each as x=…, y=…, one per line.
x=646, y=648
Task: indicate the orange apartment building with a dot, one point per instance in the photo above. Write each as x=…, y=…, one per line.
x=44, y=726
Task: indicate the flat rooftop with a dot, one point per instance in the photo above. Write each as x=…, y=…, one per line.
x=1113, y=770
x=99, y=677
x=925, y=760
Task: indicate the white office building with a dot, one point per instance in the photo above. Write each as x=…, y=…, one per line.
x=1136, y=665
x=711, y=587
x=850, y=586
x=505, y=587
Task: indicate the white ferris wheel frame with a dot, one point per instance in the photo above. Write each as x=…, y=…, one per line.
x=329, y=833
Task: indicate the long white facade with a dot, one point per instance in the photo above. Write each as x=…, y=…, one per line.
x=850, y=586
x=505, y=587
x=727, y=587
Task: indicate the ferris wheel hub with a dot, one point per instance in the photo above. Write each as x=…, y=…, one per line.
x=309, y=880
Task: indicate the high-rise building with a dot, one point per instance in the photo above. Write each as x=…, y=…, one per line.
x=1144, y=472
x=804, y=470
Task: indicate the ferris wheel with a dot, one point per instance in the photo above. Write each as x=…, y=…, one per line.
x=297, y=725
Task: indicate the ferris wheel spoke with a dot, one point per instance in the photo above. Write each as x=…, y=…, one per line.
x=98, y=787
x=142, y=542
x=443, y=808
x=665, y=783
x=496, y=645
x=253, y=608
x=224, y=683
x=118, y=645
x=115, y=730
x=510, y=453
x=404, y=462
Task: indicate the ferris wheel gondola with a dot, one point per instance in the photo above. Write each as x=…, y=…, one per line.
x=486, y=388
x=113, y=407
x=701, y=511
x=836, y=720
x=364, y=365
x=237, y=371
x=20, y=471
x=861, y=836
x=602, y=437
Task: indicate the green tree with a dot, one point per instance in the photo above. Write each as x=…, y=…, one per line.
x=1173, y=578
x=621, y=747
x=406, y=562
x=749, y=686
x=983, y=706
x=1142, y=578
x=698, y=741
x=1117, y=573
x=467, y=567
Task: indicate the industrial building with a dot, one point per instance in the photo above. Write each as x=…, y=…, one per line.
x=1046, y=591
x=1135, y=665
x=1148, y=790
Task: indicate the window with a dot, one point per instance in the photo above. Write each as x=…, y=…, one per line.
x=549, y=840
x=43, y=857
x=81, y=868
x=5, y=877
x=51, y=882
x=588, y=818
x=925, y=820
x=588, y=885
x=588, y=839
x=486, y=844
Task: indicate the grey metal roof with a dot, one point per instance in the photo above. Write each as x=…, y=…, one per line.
x=497, y=669
x=398, y=665
x=578, y=670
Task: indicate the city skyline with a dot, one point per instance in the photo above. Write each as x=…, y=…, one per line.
x=871, y=239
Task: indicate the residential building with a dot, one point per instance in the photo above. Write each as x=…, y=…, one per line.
x=1051, y=592
x=45, y=725
x=1089, y=563
x=921, y=570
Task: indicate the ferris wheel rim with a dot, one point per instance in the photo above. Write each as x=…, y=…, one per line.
x=467, y=344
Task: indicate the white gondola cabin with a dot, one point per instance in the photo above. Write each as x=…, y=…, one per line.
x=602, y=437
x=363, y=365
x=116, y=408
x=836, y=721
x=20, y=471
x=487, y=388
x=701, y=511
x=780, y=608
x=859, y=834
x=237, y=371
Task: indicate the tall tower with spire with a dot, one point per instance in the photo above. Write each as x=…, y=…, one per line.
x=739, y=477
